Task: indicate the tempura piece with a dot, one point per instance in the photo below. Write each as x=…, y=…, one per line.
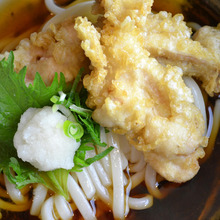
x=117, y=11
x=137, y=96
x=55, y=50
x=168, y=39
x=209, y=37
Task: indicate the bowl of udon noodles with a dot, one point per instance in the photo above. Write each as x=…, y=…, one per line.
x=109, y=41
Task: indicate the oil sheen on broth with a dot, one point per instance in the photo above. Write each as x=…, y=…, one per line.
x=20, y=18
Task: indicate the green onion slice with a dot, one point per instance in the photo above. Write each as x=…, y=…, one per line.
x=73, y=129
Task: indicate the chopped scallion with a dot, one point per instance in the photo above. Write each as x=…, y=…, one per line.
x=73, y=129
x=54, y=99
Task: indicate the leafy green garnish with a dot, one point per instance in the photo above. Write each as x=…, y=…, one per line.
x=15, y=98
x=25, y=173
x=82, y=116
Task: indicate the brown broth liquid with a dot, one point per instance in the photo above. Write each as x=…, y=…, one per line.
x=17, y=17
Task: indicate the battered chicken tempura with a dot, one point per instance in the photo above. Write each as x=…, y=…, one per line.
x=209, y=37
x=135, y=95
x=168, y=39
x=55, y=50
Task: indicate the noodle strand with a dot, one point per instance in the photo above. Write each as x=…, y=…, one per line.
x=140, y=203
x=86, y=183
x=52, y=7
x=150, y=181
x=117, y=177
x=47, y=209
x=39, y=196
x=80, y=200
x=63, y=208
x=14, y=193
x=15, y=207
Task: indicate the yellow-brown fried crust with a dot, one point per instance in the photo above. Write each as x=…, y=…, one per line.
x=55, y=50
x=135, y=95
x=168, y=39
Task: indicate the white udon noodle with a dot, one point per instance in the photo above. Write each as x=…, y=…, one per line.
x=112, y=185
x=108, y=179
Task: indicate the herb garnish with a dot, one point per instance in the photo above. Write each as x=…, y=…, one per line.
x=16, y=98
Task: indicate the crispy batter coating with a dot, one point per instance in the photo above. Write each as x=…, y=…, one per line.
x=209, y=37
x=117, y=11
x=55, y=50
x=168, y=39
x=135, y=95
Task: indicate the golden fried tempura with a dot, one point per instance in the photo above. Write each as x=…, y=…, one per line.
x=55, y=50
x=209, y=37
x=135, y=95
x=168, y=39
